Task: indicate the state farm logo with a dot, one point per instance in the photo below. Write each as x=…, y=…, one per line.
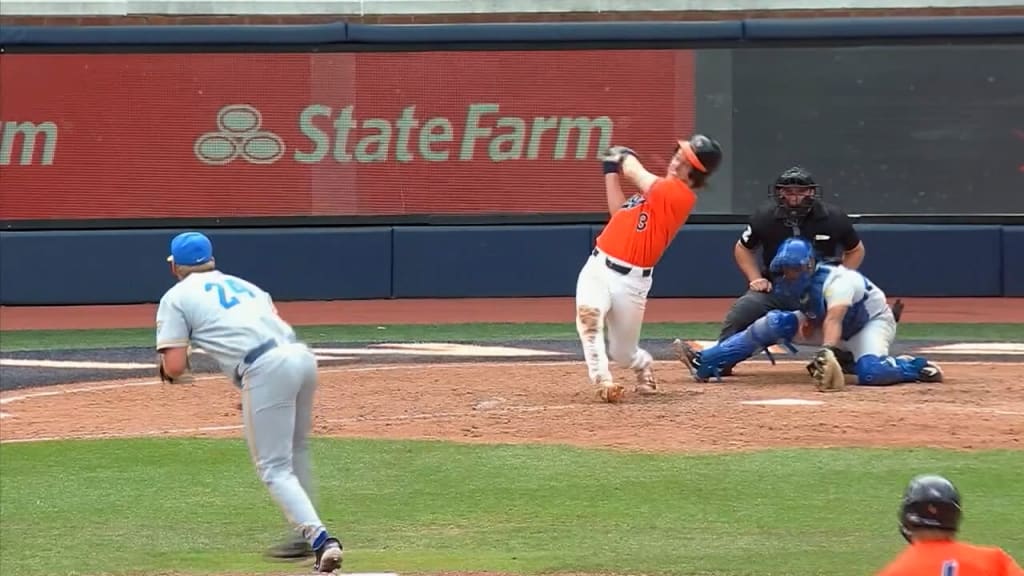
x=480, y=132
x=239, y=135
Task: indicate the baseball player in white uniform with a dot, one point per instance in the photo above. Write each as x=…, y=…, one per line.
x=236, y=323
x=840, y=309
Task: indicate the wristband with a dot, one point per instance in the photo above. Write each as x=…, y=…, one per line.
x=611, y=167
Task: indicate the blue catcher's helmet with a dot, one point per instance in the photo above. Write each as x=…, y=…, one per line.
x=792, y=267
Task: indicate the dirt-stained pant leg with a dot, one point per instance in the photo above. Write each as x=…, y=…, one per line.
x=593, y=301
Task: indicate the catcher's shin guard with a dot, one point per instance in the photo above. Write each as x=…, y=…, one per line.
x=885, y=370
x=769, y=329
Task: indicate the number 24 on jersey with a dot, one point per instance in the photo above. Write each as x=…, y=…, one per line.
x=236, y=287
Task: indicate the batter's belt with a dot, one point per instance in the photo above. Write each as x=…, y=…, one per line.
x=624, y=270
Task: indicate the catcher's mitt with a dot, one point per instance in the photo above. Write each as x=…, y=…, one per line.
x=826, y=371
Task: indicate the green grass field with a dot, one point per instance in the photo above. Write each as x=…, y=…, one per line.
x=152, y=506
x=68, y=339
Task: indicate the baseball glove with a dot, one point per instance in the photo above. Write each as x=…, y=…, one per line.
x=186, y=377
x=826, y=371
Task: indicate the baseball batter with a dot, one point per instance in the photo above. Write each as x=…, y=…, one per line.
x=840, y=309
x=612, y=287
x=236, y=323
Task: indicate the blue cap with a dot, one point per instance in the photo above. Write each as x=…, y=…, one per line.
x=190, y=249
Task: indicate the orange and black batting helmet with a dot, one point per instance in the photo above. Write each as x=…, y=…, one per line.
x=701, y=152
x=930, y=501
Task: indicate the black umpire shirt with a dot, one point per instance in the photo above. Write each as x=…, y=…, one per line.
x=826, y=226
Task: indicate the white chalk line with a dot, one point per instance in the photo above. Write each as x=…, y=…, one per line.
x=391, y=367
x=73, y=364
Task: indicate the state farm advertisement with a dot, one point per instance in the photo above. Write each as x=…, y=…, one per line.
x=89, y=136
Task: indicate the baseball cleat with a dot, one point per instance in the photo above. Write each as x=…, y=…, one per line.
x=931, y=372
x=645, y=382
x=328, y=556
x=611, y=392
x=689, y=354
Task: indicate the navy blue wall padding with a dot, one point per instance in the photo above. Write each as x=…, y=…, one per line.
x=868, y=28
x=553, y=32
x=102, y=267
x=736, y=32
x=154, y=35
x=129, y=266
x=700, y=263
x=483, y=261
x=1013, y=261
x=309, y=263
x=919, y=260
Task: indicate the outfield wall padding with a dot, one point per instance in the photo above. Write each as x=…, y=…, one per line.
x=1013, y=261
x=128, y=266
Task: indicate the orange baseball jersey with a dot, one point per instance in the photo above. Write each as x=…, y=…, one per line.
x=951, y=558
x=642, y=229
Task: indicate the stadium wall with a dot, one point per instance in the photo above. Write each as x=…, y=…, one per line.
x=127, y=266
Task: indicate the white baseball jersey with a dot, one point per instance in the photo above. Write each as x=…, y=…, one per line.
x=222, y=314
x=844, y=286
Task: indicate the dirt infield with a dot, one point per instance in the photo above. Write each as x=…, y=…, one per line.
x=413, y=311
x=981, y=406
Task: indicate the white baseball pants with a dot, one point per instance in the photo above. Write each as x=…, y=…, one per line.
x=609, y=300
x=277, y=407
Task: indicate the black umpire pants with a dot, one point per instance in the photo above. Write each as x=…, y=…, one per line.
x=751, y=306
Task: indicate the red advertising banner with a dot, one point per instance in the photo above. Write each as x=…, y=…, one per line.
x=87, y=136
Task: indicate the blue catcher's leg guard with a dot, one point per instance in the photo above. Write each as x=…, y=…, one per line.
x=767, y=330
x=886, y=370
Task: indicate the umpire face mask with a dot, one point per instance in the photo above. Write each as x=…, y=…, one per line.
x=796, y=200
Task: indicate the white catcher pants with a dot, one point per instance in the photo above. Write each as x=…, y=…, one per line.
x=875, y=338
x=612, y=303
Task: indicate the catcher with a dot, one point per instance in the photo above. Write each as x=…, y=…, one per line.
x=840, y=309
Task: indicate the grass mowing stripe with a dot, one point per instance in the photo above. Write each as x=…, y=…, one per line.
x=162, y=505
x=70, y=339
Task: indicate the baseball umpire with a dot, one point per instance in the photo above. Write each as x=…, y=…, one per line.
x=929, y=521
x=795, y=209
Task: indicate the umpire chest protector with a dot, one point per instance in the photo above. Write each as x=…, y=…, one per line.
x=823, y=227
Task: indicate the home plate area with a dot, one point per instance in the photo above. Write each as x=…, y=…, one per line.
x=517, y=392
